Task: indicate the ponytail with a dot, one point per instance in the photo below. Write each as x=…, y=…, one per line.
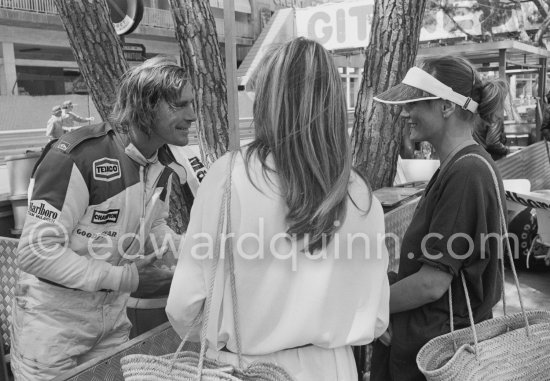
x=493, y=95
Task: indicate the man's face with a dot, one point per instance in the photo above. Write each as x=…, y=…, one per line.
x=172, y=123
x=57, y=113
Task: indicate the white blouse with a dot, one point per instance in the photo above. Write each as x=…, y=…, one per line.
x=338, y=296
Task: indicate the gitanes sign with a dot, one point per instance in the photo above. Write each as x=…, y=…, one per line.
x=347, y=25
x=337, y=26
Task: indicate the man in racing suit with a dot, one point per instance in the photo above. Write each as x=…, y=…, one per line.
x=98, y=202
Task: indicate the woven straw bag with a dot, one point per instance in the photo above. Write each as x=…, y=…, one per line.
x=511, y=347
x=192, y=366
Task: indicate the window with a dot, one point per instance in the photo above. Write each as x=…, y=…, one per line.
x=351, y=82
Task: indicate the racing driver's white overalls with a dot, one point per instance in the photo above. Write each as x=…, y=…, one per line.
x=92, y=210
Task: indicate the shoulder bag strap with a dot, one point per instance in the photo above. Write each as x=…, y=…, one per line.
x=504, y=235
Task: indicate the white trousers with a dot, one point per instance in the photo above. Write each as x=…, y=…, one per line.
x=55, y=329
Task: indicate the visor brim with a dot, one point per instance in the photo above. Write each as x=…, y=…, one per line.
x=402, y=93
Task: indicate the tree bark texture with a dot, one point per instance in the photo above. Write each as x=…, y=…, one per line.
x=377, y=130
x=200, y=54
x=96, y=47
x=178, y=218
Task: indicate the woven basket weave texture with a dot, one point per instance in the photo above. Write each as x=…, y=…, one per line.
x=8, y=275
x=504, y=351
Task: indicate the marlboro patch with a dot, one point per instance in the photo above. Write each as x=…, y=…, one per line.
x=42, y=210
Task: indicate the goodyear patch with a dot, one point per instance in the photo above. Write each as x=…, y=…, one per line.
x=96, y=235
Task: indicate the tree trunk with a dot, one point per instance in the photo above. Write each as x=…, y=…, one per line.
x=377, y=131
x=200, y=54
x=96, y=47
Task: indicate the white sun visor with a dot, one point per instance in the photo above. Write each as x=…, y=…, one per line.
x=420, y=79
x=419, y=85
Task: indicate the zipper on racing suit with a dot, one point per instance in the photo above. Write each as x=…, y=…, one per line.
x=141, y=225
x=143, y=181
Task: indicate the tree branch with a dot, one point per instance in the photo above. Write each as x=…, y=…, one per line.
x=540, y=6
x=540, y=33
x=451, y=17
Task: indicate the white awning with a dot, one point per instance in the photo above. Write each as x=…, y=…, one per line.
x=242, y=6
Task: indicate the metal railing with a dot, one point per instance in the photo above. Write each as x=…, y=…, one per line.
x=38, y=6
x=18, y=142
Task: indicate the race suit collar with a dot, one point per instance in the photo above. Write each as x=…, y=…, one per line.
x=134, y=154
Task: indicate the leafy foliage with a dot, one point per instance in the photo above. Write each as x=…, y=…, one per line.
x=493, y=14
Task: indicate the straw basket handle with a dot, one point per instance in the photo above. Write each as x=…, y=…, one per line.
x=224, y=226
x=504, y=233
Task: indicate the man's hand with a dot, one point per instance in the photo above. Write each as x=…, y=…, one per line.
x=153, y=282
x=386, y=337
x=545, y=134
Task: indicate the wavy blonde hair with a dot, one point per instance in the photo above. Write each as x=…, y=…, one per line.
x=300, y=119
x=141, y=89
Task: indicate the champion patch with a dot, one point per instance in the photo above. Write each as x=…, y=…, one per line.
x=106, y=169
x=105, y=216
x=42, y=210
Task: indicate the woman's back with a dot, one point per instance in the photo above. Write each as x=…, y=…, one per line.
x=286, y=299
x=336, y=296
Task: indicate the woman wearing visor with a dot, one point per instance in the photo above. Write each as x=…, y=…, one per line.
x=456, y=215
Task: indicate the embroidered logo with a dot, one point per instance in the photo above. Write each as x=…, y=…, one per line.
x=103, y=217
x=105, y=233
x=43, y=210
x=198, y=167
x=106, y=169
x=62, y=146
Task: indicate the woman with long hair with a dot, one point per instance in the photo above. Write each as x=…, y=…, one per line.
x=454, y=226
x=309, y=254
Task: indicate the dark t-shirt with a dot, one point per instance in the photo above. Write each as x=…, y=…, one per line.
x=460, y=199
x=545, y=125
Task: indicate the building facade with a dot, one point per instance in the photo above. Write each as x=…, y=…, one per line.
x=36, y=59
